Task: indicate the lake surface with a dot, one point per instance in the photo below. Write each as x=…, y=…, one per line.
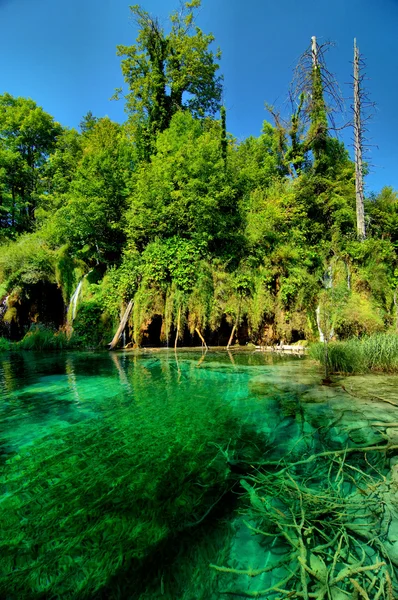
x=41, y=391
x=115, y=468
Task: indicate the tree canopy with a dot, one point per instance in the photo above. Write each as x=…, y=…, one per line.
x=167, y=72
x=208, y=235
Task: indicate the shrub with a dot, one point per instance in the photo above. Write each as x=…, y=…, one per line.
x=43, y=338
x=5, y=344
x=92, y=326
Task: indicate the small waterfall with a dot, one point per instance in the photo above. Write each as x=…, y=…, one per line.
x=318, y=322
x=3, y=307
x=74, y=301
x=327, y=284
x=322, y=337
x=4, y=327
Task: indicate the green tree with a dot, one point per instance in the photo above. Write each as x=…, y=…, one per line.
x=184, y=191
x=91, y=214
x=167, y=72
x=27, y=136
x=382, y=213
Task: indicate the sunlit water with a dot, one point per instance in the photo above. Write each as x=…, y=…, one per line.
x=41, y=391
x=139, y=425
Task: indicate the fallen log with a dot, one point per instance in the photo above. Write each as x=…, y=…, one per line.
x=122, y=325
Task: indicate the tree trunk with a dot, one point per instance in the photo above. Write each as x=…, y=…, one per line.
x=122, y=325
x=359, y=195
x=201, y=337
x=235, y=325
x=178, y=327
x=314, y=51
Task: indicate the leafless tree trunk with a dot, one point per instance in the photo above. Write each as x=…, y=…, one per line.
x=178, y=327
x=314, y=52
x=202, y=339
x=358, y=146
x=122, y=325
x=235, y=325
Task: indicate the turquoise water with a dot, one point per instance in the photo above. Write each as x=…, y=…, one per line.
x=42, y=391
x=119, y=472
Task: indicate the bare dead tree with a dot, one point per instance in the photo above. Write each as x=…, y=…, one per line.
x=359, y=196
x=363, y=110
x=302, y=84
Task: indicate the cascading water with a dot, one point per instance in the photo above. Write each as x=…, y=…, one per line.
x=318, y=322
x=74, y=300
x=4, y=327
x=327, y=284
x=3, y=307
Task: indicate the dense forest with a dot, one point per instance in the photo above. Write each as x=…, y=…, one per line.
x=207, y=237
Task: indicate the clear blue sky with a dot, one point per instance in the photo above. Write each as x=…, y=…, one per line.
x=63, y=55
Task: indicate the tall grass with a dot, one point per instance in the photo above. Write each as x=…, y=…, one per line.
x=42, y=338
x=378, y=352
x=5, y=344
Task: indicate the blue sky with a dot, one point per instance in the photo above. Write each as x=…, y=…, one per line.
x=63, y=55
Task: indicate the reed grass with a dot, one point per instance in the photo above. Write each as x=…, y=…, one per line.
x=378, y=352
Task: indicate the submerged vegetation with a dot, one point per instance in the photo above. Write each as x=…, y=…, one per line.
x=207, y=235
x=191, y=476
x=144, y=475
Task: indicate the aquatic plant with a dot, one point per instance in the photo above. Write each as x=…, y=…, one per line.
x=86, y=508
x=5, y=344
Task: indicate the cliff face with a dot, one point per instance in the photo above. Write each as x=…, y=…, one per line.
x=38, y=303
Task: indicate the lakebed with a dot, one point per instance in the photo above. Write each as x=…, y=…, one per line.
x=126, y=474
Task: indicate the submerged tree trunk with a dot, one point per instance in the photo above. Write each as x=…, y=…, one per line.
x=358, y=143
x=122, y=326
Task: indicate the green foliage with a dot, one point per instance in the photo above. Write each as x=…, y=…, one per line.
x=27, y=136
x=5, y=344
x=372, y=353
x=68, y=271
x=42, y=338
x=26, y=261
x=359, y=315
x=382, y=215
x=168, y=72
x=256, y=161
x=184, y=191
x=91, y=217
x=92, y=327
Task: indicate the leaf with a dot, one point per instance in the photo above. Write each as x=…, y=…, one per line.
x=318, y=566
